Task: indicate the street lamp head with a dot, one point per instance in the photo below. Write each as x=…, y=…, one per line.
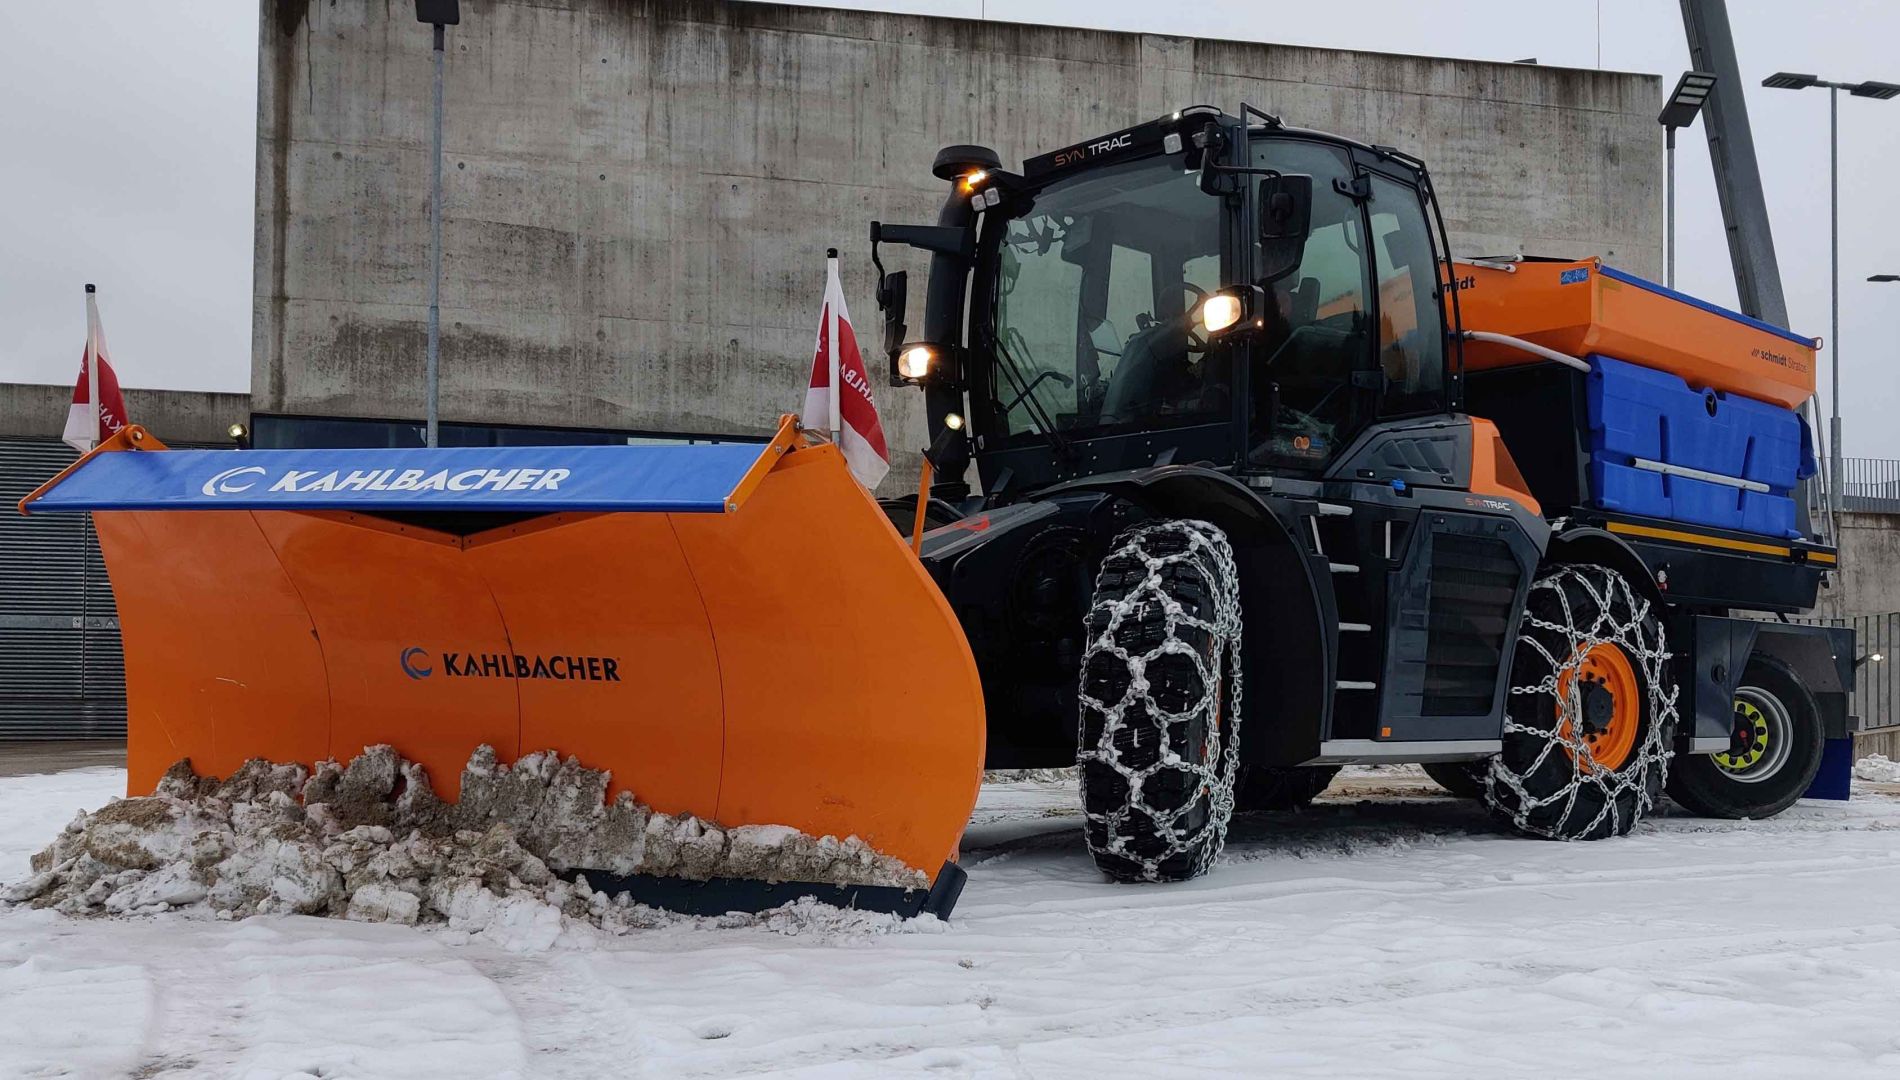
x=1687, y=99
x=1885, y=277
x=1784, y=80
x=1880, y=91
x=439, y=12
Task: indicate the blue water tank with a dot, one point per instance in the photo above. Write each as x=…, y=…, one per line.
x=1638, y=412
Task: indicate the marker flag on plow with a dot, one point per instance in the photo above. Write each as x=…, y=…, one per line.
x=98, y=409
x=839, y=400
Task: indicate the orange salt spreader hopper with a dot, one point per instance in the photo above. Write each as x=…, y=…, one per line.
x=735, y=631
x=1583, y=307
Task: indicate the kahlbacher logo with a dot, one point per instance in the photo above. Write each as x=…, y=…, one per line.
x=228, y=482
x=416, y=664
x=304, y=481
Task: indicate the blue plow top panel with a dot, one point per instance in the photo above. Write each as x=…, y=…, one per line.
x=680, y=479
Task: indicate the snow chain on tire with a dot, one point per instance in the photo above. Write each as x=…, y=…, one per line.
x=1547, y=782
x=1161, y=702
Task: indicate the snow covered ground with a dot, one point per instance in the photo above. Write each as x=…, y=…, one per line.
x=1397, y=937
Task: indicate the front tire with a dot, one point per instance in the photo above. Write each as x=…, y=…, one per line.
x=1591, y=712
x=1160, y=702
x=1773, y=756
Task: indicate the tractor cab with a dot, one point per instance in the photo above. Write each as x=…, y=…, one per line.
x=1196, y=288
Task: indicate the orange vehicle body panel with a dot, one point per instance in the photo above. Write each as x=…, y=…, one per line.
x=1494, y=471
x=789, y=663
x=1611, y=317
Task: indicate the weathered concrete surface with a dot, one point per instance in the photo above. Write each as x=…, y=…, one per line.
x=639, y=192
x=1869, y=581
x=38, y=411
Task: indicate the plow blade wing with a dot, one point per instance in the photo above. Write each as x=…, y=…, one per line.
x=735, y=632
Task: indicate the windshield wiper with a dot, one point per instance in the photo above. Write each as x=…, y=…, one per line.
x=1018, y=382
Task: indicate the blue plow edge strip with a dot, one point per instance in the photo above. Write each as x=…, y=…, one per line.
x=676, y=479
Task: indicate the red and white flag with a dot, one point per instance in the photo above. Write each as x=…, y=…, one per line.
x=839, y=400
x=88, y=426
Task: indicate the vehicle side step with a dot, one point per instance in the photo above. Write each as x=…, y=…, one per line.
x=1342, y=568
x=1353, y=684
x=1355, y=628
x=1327, y=509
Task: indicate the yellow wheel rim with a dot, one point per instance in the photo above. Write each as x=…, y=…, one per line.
x=1751, y=735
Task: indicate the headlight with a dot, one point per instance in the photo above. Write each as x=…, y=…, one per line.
x=914, y=361
x=1220, y=311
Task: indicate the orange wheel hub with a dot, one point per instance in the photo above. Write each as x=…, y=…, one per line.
x=1609, y=706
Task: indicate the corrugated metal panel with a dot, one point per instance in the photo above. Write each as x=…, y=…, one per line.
x=62, y=675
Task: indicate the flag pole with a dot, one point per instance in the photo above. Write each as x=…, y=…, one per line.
x=92, y=362
x=831, y=337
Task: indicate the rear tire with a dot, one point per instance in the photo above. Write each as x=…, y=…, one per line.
x=1775, y=754
x=1591, y=712
x=1464, y=779
x=1264, y=787
x=1160, y=702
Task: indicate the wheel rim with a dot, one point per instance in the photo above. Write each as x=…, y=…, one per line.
x=1600, y=706
x=1760, y=741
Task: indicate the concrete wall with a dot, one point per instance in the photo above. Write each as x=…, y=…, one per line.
x=38, y=411
x=639, y=192
x=1869, y=581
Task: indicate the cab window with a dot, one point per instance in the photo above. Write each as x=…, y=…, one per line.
x=1097, y=287
x=1303, y=404
x=1411, y=338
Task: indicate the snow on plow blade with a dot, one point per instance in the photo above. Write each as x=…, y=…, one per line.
x=734, y=631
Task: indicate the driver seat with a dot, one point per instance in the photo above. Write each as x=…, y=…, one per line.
x=1132, y=387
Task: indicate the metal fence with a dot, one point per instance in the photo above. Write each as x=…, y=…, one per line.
x=61, y=672
x=1868, y=486
x=1876, y=697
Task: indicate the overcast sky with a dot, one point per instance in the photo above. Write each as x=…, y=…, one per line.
x=128, y=131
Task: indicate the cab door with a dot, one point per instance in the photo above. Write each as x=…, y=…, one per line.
x=1312, y=360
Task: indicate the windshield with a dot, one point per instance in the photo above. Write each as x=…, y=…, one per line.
x=1096, y=297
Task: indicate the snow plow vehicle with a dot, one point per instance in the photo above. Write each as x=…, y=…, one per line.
x=1270, y=484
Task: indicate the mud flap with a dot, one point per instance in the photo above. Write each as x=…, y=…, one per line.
x=734, y=631
x=1835, y=778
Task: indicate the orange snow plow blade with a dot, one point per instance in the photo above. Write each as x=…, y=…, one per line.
x=735, y=632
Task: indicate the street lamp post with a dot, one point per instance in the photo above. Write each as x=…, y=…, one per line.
x=1685, y=103
x=440, y=14
x=1879, y=91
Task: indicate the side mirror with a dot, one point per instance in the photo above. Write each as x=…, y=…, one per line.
x=1286, y=218
x=1205, y=156
x=893, y=293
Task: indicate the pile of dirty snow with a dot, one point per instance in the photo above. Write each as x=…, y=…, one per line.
x=371, y=841
x=1877, y=768
x=1066, y=775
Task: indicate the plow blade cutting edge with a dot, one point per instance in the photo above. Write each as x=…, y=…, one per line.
x=735, y=631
